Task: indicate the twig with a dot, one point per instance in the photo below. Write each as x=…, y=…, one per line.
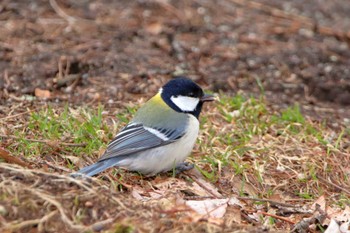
x=67, y=79
x=16, y=115
x=277, y=217
x=333, y=184
x=115, y=179
x=303, y=225
x=304, y=21
x=65, y=178
x=98, y=226
x=44, y=219
x=71, y=87
x=272, y=10
x=48, y=142
x=61, y=13
x=70, y=19
x=266, y=200
x=178, y=14
x=56, y=167
x=59, y=207
x=194, y=174
x=119, y=202
x=13, y=226
x=12, y=159
x=81, y=228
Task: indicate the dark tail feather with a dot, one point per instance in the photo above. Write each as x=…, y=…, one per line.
x=93, y=169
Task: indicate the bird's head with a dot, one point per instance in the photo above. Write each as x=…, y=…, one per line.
x=184, y=95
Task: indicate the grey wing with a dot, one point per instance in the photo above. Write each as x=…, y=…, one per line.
x=136, y=137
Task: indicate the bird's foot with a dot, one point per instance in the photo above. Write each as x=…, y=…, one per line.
x=185, y=166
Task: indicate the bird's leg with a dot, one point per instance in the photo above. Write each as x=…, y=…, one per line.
x=181, y=167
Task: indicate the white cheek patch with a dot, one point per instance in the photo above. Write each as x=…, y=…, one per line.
x=185, y=103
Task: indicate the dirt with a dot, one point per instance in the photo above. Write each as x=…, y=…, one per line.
x=96, y=51
x=86, y=52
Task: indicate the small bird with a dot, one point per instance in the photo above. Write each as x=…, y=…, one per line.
x=160, y=136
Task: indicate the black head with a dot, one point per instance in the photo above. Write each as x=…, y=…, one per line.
x=184, y=95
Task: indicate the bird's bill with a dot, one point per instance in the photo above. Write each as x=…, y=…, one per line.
x=207, y=97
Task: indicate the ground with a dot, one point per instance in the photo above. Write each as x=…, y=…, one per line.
x=72, y=73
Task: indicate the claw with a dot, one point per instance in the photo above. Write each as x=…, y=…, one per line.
x=185, y=166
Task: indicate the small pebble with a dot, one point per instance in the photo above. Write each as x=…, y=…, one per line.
x=89, y=204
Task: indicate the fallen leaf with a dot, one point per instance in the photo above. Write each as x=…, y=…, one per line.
x=333, y=227
x=198, y=190
x=215, y=208
x=340, y=215
x=12, y=159
x=192, y=218
x=199, y=179
x=138, y=193
x=233, y=201
x=321, y=201
x=345, y=227
x=246, y=188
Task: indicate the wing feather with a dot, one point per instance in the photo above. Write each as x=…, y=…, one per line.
x=136, y=137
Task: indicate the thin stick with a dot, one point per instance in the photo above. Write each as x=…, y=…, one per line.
x=203, y=184
x=323, y=30
x=17, y=226
x=276, y=216
x=48, y=142
x=266, y=200
x=333, y=184
x=15, y=115
x=44, y=219
x=63, y=178
x=12, y=159
x=98, y=226
x=60, y=209
x=61, y=13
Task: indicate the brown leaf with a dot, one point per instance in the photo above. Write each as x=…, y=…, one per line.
x=200, y=180
x=11, y=159
x=321, y=201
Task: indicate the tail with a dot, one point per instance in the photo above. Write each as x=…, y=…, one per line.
x=94, y=168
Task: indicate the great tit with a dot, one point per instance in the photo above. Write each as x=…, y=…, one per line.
x=160, y=136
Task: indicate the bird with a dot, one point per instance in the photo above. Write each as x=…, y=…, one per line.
x=161, y=134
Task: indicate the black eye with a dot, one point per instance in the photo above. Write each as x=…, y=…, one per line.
x=191, y=94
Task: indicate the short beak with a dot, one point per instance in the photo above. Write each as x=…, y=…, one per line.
x=207, y=97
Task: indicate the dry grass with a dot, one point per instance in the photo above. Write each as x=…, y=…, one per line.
x=269, y=169
x=49, y=202
x=274, y=164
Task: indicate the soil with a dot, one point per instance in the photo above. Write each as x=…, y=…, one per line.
x=112, y=52
x=87, y=51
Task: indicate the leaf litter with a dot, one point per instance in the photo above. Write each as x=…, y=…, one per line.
x=231, y=199
x=284, y=178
